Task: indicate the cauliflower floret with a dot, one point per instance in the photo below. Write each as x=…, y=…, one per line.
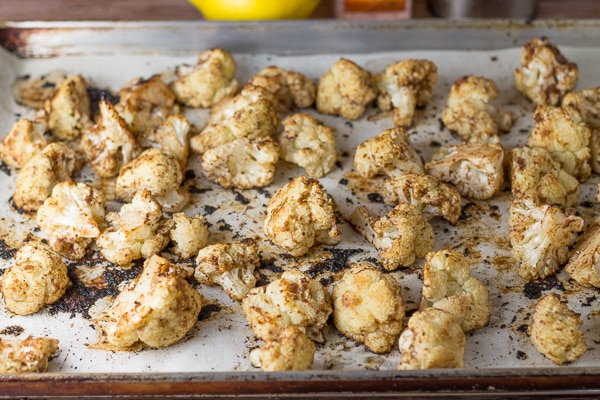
x=212, y=79
x=291, y=88
x=242, y=163
x=26, y=356
x=292, y=350
x=544, y=75
x=251, y=114
x=584, y=264
x=390, y=153
x=447, y=285
x=34, y=91
x=345, y=89
x=157, y=308
x=157, y=171
x=404, y=86
x=554, y=331
x=400, y=236
x=475, y=169
x=368, y=307
x=563, y=132
x=471, y=115
x=173, y=136
x=188, y=235
x=431, y=196
x=72, y=218
x=25, y=140
x=109, y=145
x=536, y=176
x=138, y=230
x=540, y=236
x=433, y=339
x=308, y=143
x=299, y=215
x=69, y=109
x=293, y=300
x=38, y=277
x=587, y=101
x=229, y=265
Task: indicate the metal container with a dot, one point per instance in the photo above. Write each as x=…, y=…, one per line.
x=456, y=9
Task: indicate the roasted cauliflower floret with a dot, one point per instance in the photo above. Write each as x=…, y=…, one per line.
x=212, y=79
x=431, y=196
x=587, y=101
x=292, y=350
x=584, y=264
x=433, y=339
x=299, y=215
x=138, y=230
x=540, y=236
x=566, y=136
x=157, y=308
x=554, y=331
x=308, y=143
x=448, y=285
x=173, y=136
x=400, y=236
x=404, y=86
x=33, y=91
x=69, y=109
x=536, y=176
x=293, y=300
x=390, y=153
x=25, y=140
x=242, y=163
x=188, y=235
x=345, y=89
x=229, y=265
x=38, y=277
x=545, y=74
x=291, y=88
x=475, y=169
x=72, y=217
x=368, y=307
x=26, y=356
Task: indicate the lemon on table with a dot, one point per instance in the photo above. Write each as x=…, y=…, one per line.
x=237, y=10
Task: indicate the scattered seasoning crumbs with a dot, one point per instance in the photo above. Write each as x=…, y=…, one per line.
x=12, y=330
x=375, y=198
x=208, y=310
x=521, y=355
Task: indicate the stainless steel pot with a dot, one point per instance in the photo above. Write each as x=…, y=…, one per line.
x=457, y=9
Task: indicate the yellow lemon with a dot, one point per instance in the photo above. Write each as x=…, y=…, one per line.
x=238, y=10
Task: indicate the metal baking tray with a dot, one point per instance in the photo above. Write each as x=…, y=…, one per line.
x=212, y=362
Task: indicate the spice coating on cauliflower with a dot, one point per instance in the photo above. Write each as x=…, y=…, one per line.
x=587, y=101
x=25, y=140
x=188, y=235
x=368, y=307
x=69, y=109
x=584, y=264
x=291, y=88
x=229, y=265
x=554, y=331
x=26, y=356
x=173, y=136
x=292, y=350
x=38, y=277
x=299, y=215
x=345, y=89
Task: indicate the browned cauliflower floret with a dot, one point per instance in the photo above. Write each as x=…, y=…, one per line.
x=54, y=164
x=291, y=88
x=26, y=356
x=540, y=236
x=587, y=101
x=448, y=285
x=308, y=143
x=229, y=265
x=291, y=350
x=433, y=339
x=404, y=86
x=563, y=132
x=173, y=136
x=188, y=235
x=137, y=231
x=293, y=300
x=554, y=331
x=345, y=89
x=368, y=307
x=536, y=176
x=400, y=236
x=212, y=79
x=72, y=218
x=544, y=75
x=69, y=109
x=157, y=308
x=25, y=140
x=33, y=91
x=390, y=153
x=242, y=163
x=431, y=196
x=109, y=145
x=159, y=172
x=251, y=114
x=299, y=215
x=584, y=264
x=38, y=277
x=475, y=169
